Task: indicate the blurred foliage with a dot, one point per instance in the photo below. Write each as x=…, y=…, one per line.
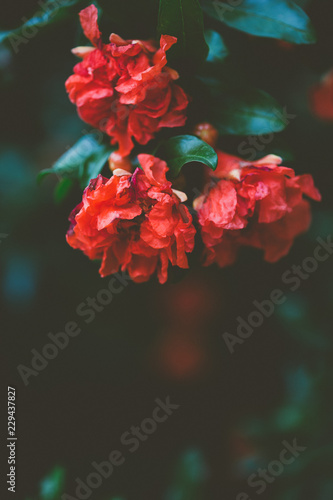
x=281, y=19
x=184, y=20
x=235, y=410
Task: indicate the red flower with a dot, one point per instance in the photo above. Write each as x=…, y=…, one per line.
x=257, y=204
x=321, y=98
x=124, y=88
x=133, y=222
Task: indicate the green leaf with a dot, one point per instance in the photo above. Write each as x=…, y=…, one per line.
x=62, y=189
x=217, y=49
x=243, y=110
x=183, y=19
x=249, y=111
x=50, y=11
x=183, y=149
x=83, y=162
x=281, y=19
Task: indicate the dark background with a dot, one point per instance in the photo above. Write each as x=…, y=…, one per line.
x=156, y=341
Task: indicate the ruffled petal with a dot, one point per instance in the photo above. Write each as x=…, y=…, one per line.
x=88, y=19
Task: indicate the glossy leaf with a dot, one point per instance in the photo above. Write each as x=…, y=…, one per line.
x=243, y=110
x=183, y=149
x=84, y=161
x=281, y=19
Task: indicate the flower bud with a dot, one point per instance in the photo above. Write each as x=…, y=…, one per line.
x=116, y=161
x=207, y=133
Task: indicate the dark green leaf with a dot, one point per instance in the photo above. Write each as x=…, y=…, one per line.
x=281, y=19
x=249, y=111
x=50, y=11
x=84, y=161
x=183, y=19
x=62, y=189
x=183, y=149
x=123, y=18
x=243, y=111
x=217, y=50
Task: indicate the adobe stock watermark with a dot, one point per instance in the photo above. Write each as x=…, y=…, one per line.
x=263, y=477
x=30, y=27
x=257, y=143
x=57, y=342
x=131, y=439
x=293, y=278
x=222, y=8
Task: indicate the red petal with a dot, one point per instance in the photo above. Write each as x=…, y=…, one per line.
x=88, y=19
x=154, y=168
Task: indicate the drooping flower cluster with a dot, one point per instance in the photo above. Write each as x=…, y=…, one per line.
x=136, y=222
x=124, y=88
x=258, y=204
x=133, y=222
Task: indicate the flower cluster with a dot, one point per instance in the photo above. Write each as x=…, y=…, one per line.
x=257, y=204
x=124, y=88
x=136, y=221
